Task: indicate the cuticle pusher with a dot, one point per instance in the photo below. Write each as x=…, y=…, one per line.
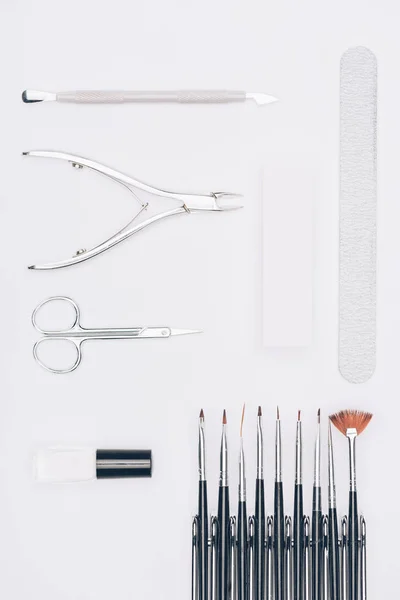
x=125, y=96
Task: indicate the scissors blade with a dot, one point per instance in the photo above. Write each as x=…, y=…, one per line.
x=165, y=332
x=185, y=331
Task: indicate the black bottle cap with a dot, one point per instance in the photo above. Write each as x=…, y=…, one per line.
x=111, y=464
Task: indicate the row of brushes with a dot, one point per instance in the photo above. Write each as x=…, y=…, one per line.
x=279, y=558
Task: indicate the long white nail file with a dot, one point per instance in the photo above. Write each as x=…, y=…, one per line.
x=358, y=200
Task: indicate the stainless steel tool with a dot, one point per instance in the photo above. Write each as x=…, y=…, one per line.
x=122, y=96
x=187, y=204
x=76, y=335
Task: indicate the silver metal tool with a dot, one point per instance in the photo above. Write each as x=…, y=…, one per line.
x=195, y=527
x=187, y=204
x=121, y=96
x=288, y=558
x=76, y=335
x=363, y=558
x=269, y=569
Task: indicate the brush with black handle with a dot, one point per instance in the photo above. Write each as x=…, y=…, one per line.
x=333, y=528
x=298, y=518
x=279, y=519
x=223, y=551
x=242, y=527
x=352, y=423
x=259, y=546
x=316, y=521
x=202, y=516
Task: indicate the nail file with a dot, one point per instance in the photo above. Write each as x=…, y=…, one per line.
x=358, y=200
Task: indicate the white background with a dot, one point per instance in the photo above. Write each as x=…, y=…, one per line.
x=131, y=539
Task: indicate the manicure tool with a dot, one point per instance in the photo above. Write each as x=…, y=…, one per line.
x=188, y=203
x=363, y=558
x=269, y=569
x=316, y=523
x=344, y=562
x=358, y=208
x=307, y=567
x=195, y=560
x=298, y=518
x=242, y=535
x=213, y=559
x=259, y=514
x=325, y=559
x=352, y=423
x=121, y=96
x=202, y=515
x=233, y=558
x=76, y=335
x=67, y=465
x=288, y=558
x=333, y=532
x=223, y=518
x=251, y=558
x=279, y=518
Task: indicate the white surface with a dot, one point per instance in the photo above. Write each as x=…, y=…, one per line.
x=131, y=539
x=64, y=465
x=288, y=201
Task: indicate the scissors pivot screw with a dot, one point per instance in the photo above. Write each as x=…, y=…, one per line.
x=77, y=165
x=80, y=251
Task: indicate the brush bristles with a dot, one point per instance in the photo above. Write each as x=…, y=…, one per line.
x=351, y=419
x=241, y=423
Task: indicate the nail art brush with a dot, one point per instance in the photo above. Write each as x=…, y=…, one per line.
x=202, y=515
x=298, y=517
x=333, y=530
x=316, y=521
x=242, y=535
x=279, y=518
x=352, y=423
x=260, y=514
x=223, y=517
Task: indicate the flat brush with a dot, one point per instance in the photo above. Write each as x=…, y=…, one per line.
x=242, y=535
x=259, y=571
x=298, y=519
x=202, y=516
x=223, y=551
x=333, y=529
x=352, y=423
x=279, y=518
x=316, y=520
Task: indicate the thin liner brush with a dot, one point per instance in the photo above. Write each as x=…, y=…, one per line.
x=279, y=518
x=352, y=423
x=260, y=514
x=223, y=552
x=203, y=515
x=333, y=528
x=242, y=535
x=316, y=521
x=298, y=518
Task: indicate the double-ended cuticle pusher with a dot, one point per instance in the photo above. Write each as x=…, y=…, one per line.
x=187, y=204
x=123, y=96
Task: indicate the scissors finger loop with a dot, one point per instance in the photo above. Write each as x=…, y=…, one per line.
x=77, y=345
x=75, y=321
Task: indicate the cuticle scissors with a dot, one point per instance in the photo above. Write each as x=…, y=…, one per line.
x=188, y=203
x=76, y=335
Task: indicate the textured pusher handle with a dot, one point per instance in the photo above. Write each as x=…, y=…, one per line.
x=120, y=96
